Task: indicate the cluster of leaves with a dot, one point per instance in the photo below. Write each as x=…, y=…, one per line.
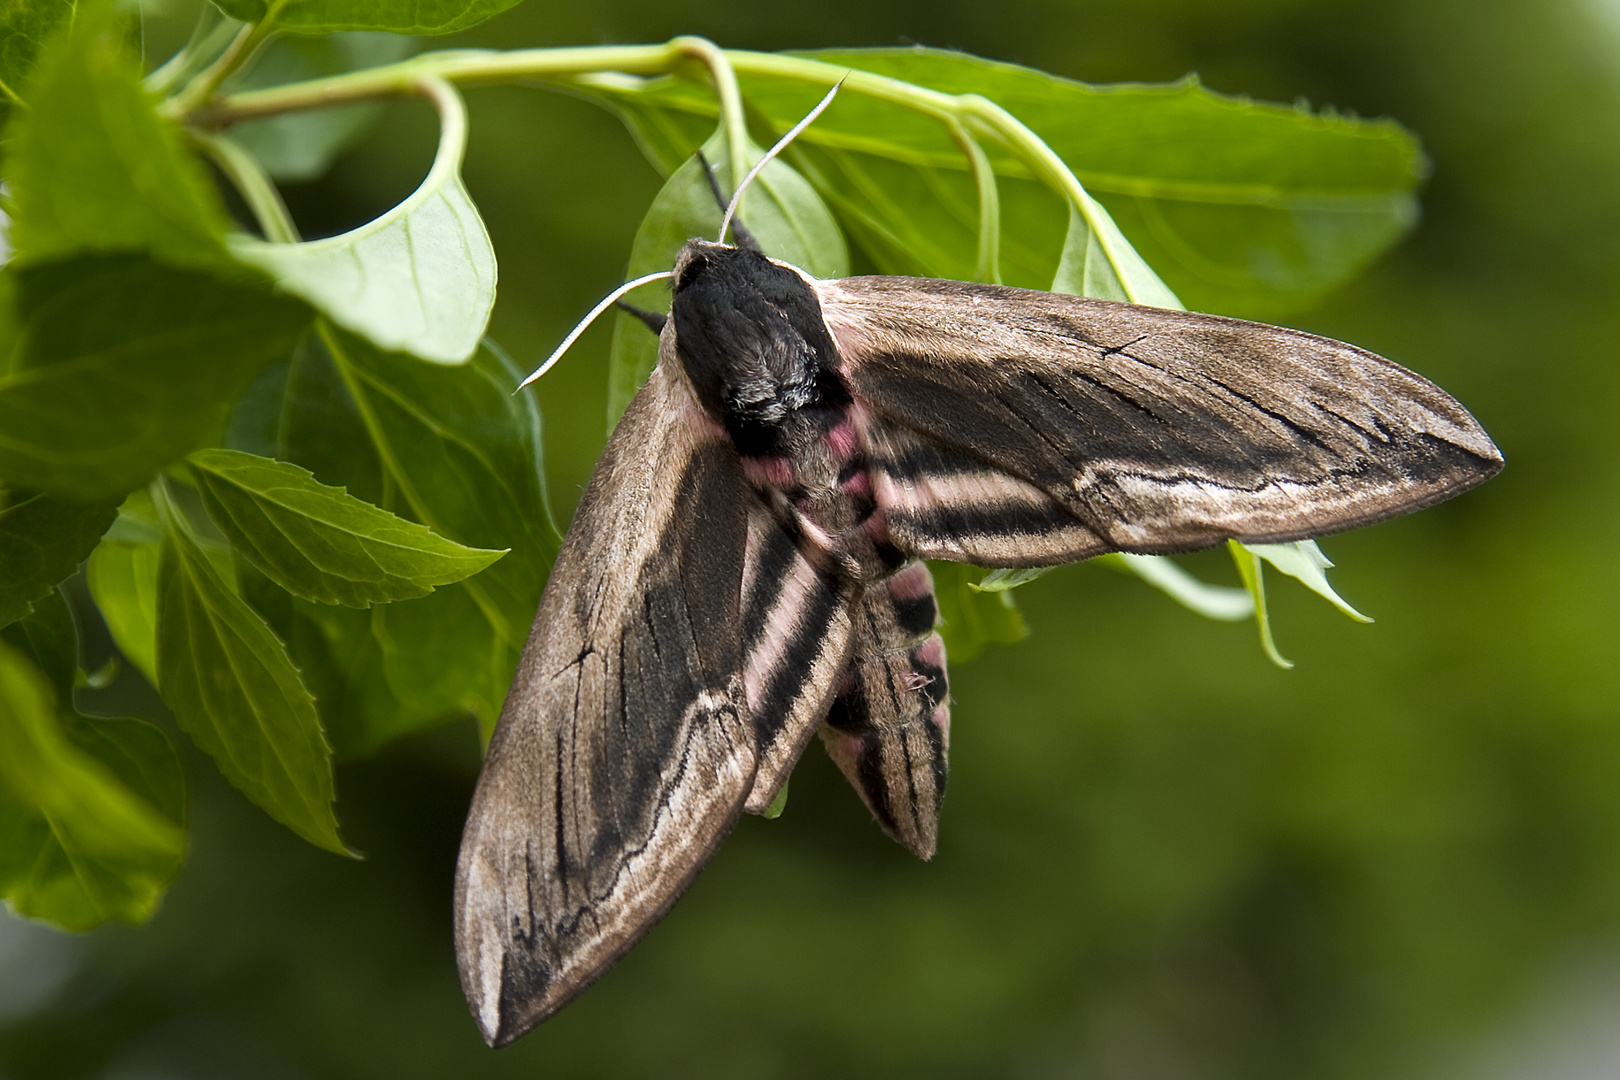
x=300, y=492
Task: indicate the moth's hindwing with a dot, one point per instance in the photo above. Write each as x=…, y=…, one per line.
x=889, y=726
x=1150, y=430
x=625, y=749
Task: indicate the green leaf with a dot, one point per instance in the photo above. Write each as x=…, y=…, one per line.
x=1238, y=205
x=301, y=146
x=452, y=448
x=43, y=539
x=1210, y=601
x=234, y=690
x=426, y=17
x=25, y=27
x=319, y=542
x=124, y=365
x=1251, y=570
x=49, y=638
x=1002, y=580
x=1304, y=561
x=93, y=168
x=782, y=211
x=419, y=279
x=971, y=618
x=83, y=838
x=1084, y=269
x=123, y=583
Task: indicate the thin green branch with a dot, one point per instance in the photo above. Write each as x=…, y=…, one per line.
x=984, y=178
x=204, y=85
x=254, y=185
x=960, y=113
x=211, y=33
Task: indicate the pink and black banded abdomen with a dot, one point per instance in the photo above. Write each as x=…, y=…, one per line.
x=889, y=726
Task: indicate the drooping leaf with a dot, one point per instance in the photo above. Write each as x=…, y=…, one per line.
x=43, y=538
x=971, y=618
x=300, y=146
x=782, y=211
x=233, y=689
x=419, y=279
x=319, y=542
x=83, y=838
x=425, y=17
x=1252, y=571
x=124, y=365
x=1304, y=561
x=93, y=168
x=25, y=27
x=1211, y=601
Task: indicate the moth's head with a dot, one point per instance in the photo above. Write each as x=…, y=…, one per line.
x=750, y=337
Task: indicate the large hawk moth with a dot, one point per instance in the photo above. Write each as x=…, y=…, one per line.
x=744, y=567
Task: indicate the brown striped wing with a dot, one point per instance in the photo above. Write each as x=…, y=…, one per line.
x=625, y=750
x=1011, y=427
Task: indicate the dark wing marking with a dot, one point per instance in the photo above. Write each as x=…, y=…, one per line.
x=1156, y=430
x=889, y=727
x=625, y=749
x=942, y=503
x=795, y=633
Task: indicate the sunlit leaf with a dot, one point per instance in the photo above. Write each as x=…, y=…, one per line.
x=419, y=279
x=1304, y=561
x=1251, y=570
x=1211, y=601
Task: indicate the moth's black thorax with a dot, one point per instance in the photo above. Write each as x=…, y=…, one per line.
x=750, y=336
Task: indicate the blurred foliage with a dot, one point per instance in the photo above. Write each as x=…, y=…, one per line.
x=1160, y=856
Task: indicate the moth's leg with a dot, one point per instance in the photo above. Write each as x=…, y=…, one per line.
x=889, y=726
x=654, y=320
x=745, y=239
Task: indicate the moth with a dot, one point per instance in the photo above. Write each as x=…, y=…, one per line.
x=744, y=569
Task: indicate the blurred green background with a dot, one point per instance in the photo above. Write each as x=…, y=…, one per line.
x=1161, y=857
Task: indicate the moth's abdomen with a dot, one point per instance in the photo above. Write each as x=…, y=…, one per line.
x=889, y=726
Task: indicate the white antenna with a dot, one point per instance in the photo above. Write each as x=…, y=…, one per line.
x=725, y=222
x=573, y=335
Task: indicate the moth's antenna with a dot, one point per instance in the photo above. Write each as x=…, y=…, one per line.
x=573, y=335
x=725, y=222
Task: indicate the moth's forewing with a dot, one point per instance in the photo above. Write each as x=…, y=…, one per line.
x=625, y=749
x=1154, y=430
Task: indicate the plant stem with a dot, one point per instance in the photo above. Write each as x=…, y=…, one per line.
x=255, y=187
